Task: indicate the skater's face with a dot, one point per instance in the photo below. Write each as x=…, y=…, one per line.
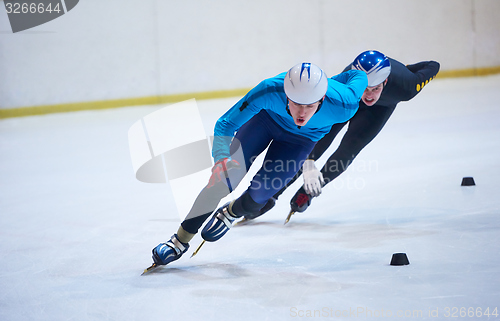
x=372, y=94
x=302, y=113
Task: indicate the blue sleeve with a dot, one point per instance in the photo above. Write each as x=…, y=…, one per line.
x=355, y=82
x=225, y=128
x=228, y=124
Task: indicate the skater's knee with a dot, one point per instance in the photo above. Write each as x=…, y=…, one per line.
x=245, y=205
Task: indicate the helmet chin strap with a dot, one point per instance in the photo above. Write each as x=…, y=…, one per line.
x=320, y=104
x=288, y=107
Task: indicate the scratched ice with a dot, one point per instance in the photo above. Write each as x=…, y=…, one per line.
x=77, y=228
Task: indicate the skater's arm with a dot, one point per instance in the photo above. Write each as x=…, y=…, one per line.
x=351, y=84
x=419, y=75
x=268, y=93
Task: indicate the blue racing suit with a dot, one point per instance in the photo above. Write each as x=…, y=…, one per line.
x=261, y=120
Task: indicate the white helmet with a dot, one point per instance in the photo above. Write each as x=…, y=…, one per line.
x=305, y=83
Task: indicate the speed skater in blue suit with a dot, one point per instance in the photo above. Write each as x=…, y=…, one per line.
x=287, y=114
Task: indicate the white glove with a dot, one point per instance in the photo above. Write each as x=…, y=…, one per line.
x=313, y=179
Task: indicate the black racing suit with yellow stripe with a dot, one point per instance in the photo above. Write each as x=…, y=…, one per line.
x=403, y=83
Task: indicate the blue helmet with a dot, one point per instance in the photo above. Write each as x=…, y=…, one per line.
x=376, y=65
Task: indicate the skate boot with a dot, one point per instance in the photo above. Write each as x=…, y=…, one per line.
x=168, y=252
x=267, y=207
x=219, y=224
x=300, y=201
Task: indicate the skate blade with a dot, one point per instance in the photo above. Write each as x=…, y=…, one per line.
x=198, y=248
x=289, y=216
x=242, y=221
x=151, y=268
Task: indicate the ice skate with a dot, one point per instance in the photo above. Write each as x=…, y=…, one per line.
x=267, y=207
x=221, y=221
x=300, y=201
x=170, y=251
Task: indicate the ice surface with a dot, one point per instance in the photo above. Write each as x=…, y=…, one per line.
x=77, y=228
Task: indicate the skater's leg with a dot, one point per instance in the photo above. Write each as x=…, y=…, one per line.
x=321, y=146
x=251, y=140
x=284, y=157
x=318, y=150
x=363, y=128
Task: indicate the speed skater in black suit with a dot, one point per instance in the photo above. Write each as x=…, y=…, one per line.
x=389, y=83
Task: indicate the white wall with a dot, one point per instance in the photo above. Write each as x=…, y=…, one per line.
x=113, y=49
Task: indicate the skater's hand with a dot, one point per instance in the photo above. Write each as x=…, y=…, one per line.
x=313, y=179
x=221, y=167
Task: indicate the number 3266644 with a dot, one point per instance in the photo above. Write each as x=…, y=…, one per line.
x=32, y=7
